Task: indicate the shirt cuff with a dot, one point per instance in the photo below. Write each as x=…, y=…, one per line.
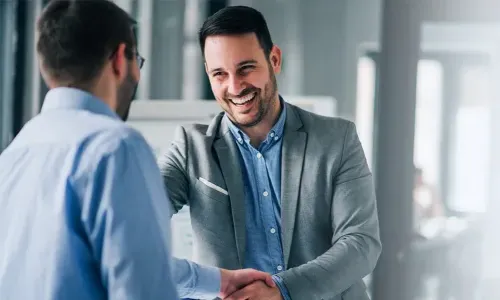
x=209, y=281
x=281, y=285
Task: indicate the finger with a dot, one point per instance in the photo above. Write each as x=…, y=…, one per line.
x=242, y=294
x=266, y=277
x=269, y=281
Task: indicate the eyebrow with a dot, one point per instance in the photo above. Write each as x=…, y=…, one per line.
x=242, y=63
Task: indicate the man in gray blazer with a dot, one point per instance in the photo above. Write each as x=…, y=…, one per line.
x=269, y=185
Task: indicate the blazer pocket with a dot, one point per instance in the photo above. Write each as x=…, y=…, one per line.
x=211, y=190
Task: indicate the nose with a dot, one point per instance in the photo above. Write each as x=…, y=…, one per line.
x=235, y=85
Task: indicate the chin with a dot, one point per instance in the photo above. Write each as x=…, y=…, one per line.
x=248, y=122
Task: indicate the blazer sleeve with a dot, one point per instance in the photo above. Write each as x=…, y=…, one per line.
x=173, y=166
x=356, y=242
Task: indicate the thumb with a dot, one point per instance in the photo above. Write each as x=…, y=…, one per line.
x=266, y=277
x=269, y=281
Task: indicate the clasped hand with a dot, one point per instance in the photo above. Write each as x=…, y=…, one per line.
x=248, y=284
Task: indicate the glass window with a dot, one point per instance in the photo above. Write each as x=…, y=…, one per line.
x=471, y=146
x=428, y=110
x=428, y=119
x=365, y=105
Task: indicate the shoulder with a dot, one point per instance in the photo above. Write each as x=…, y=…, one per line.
x=115, y=139
x=198, y=134
x=323, y=127
x=190, y=131
x=120, y=143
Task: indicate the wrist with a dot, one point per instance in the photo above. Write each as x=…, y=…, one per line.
x=281, y=287
x=224, y=282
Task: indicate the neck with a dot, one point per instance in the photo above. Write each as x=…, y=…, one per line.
x=106, y=98
x=258, y=133
x=101, y=90
x=99, y=87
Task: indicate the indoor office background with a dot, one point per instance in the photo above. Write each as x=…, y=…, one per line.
x=420, y=78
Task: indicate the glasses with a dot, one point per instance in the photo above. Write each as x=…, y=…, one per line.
x=140, y=60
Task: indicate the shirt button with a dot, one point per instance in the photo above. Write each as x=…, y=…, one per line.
x=265, y=194
x=276, y=138
x=240, y=140
x=259, y=155
x=273, y=230
x=280, y=268
x=272, y=134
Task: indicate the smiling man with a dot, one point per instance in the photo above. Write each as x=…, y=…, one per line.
x=269, y=185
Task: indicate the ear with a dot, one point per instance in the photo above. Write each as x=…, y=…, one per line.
x=275, y=59
x=120, y=62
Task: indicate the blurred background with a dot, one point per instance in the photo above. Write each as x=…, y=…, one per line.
x=418, y=77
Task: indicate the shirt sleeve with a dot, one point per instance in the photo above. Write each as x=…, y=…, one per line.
x=281, y=285
x=126, y=231
x=195, y=281
x=126, y=215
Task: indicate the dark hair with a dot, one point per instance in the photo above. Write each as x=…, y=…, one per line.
x=75, y=38
x=236, y=20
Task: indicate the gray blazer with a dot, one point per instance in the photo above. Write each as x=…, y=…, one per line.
x=330, y=228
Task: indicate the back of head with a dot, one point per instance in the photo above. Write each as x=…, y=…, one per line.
x=237, y=20
x=75, y=38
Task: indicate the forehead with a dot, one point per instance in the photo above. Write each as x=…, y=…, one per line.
x=224, y=51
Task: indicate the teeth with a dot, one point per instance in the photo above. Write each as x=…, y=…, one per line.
x=243, y=100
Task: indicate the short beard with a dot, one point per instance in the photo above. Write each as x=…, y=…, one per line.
x=126, y=94
x=264, y=109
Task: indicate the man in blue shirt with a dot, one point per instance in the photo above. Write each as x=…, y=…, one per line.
x=83, y=211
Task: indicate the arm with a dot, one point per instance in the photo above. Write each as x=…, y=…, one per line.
x=355, y=243
x=173, y=170
x=125, y=223
x=195, y=281
x=172, y=166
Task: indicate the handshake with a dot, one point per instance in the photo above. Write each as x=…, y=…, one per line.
x=248, y=284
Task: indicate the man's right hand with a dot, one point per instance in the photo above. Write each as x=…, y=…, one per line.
x=231, y=281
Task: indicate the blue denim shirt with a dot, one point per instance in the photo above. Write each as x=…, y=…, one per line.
x=262, y=183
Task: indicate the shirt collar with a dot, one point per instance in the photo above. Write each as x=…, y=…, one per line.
x=274, y=134
x=74, y=99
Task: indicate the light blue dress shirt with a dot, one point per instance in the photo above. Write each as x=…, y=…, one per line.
x=262, y=181
x=83, y=211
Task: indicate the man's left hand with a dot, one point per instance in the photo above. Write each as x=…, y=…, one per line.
x=256, y=291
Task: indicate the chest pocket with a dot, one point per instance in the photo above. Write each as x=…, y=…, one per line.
x=211, y=190
x=211, y=215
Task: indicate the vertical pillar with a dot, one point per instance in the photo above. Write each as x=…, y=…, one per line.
x=34, y=100
x=212, y=6
x=323, y=38
x=394, y=145
x=27, y=79
x=194, y=72
x=145, y=39
x=166, y=63
x=293, y=70
x=7, y=21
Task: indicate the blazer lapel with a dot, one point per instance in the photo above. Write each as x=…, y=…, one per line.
x=292, y=159
x=228, y=155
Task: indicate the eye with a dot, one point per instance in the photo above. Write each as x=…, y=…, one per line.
x=246, y=69
x=217, y=74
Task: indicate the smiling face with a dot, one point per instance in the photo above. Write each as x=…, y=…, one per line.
x=242, y=77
